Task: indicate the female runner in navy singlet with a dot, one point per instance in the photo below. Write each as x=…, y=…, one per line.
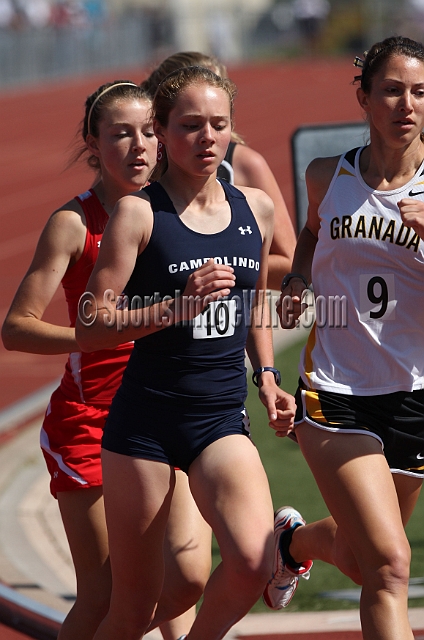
x=242, y=166
x=191, y=254
x=118, y=142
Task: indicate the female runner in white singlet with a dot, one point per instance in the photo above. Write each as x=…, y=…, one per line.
x=360, y=416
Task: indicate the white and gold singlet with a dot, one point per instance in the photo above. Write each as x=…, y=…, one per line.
x=368, y=279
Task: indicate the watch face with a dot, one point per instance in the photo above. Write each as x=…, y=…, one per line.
x=257, y=373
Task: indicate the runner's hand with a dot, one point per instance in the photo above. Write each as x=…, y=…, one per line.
x=280, y=405
x=208, y=283
x=412, y=214
x=290, y=306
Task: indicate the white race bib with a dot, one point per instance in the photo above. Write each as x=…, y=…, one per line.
x=218, y=320
x=377, y=299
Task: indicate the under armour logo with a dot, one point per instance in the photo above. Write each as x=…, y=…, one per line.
x=244, y=231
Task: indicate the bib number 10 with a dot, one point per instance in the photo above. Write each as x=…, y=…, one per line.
x=218, y=320
x=377, y=297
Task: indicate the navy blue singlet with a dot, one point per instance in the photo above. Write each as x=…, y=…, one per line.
x=196, y=369
x=225, y=169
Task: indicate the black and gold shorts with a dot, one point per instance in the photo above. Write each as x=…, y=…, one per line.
x=395, y=419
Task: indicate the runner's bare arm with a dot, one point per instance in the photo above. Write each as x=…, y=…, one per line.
x=24, y=329
x=280, y=405
x=318, y=177
x=100, y=324
x=251, y=169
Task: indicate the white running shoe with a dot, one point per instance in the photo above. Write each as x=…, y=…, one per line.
x=281, y=588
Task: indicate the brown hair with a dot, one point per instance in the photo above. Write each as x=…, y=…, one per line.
x=182, y=59
x=169, y=90
x=187, y=59
x=95, y=105
x=380, y=52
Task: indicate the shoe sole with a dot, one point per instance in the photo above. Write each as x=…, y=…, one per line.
x=277, y=533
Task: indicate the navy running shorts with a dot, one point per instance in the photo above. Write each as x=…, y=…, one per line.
x=167, y=431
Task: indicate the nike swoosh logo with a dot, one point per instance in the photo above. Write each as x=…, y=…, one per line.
x=420, y=456
x=411, y=194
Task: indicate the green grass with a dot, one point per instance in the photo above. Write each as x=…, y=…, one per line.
x=291, y=482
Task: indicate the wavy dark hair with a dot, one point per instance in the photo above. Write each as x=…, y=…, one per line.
x=382, y=51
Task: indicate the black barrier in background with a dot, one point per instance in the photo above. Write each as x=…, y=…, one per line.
x=320, y=141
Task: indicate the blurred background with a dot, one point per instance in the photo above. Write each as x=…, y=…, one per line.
x=292, y=63
x=41, y=39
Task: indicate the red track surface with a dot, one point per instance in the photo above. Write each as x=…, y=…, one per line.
x=38, y=125
x=10, y=634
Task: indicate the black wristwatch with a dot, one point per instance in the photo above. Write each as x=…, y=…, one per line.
x=290, y=276
x=257, y=373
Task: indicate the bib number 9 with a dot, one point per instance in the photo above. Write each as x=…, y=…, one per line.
x=377, y=297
